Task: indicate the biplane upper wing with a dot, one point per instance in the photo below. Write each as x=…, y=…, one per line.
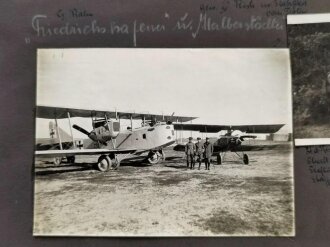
x=51, y=112
x=71, y=152
x=205, y=128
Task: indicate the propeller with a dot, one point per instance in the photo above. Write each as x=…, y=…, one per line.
x=81, y=130
x=91, y=135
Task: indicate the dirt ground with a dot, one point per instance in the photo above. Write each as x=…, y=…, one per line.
x=167, y=199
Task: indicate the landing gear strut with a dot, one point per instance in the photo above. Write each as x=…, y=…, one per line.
x=115, y=163
x=219, y=159
x=246, y=159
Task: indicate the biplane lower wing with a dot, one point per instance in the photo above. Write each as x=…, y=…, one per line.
x=206, y=128
x=72, y=152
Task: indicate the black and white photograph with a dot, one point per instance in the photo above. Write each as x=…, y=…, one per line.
x=164, y=142
x=309, y=42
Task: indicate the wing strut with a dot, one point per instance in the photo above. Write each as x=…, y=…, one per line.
x=93, y=124
x=176, y=132
x=111, y=130
x=74, y=144
x=181, y=132
x=131, y=123
x=191, y=130
x=59, y=134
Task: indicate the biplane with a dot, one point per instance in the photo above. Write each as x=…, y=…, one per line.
x=58, y=139
x=106, y=137
x=232, y=140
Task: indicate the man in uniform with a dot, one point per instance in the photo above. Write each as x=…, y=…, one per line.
x=199, y=151
x=208, y=151
x=190, y=150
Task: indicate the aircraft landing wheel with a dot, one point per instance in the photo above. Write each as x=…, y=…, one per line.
x=154, y=157
x=219, y=159
x=57, y=161
x=71, y=159
x=246, y=159
x=104, y=163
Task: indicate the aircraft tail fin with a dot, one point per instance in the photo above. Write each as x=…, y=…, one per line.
x=65, y=137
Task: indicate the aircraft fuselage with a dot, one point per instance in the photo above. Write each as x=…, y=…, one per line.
x=227, y=143
x=142, y=138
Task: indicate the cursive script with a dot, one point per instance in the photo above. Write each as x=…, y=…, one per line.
x=318, y=164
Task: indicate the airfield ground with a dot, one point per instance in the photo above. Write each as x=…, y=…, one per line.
x=167, y=199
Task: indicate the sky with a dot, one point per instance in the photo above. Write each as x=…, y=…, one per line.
x=219, y=86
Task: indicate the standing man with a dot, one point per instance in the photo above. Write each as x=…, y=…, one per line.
x=208, y=151
x=190, y=152
x=199, y=151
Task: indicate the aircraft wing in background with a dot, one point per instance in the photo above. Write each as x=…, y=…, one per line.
x=206, y=128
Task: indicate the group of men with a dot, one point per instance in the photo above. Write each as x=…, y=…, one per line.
x=200, y=151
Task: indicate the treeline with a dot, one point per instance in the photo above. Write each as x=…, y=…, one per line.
x=310, y=58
